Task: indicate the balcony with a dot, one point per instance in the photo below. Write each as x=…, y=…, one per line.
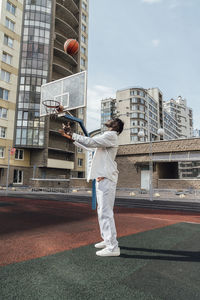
x=70, y=5
x=60, y=53
x=66, y=151
x=58, y=60
x=59, y=144
x=60, y=71
x=65, y=14
x=60, y=164
x=65, y=29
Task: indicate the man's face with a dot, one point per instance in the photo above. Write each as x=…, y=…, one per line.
x=112, y=125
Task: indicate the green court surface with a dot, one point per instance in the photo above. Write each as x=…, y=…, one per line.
x=162, y=263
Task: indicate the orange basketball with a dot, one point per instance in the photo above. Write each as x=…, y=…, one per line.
x=71, y=46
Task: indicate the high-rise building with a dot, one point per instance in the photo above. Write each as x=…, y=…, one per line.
x=11, y=14
x=179, y=110
x=47, y=24
x=141, y=110
x=196, y=132
x=144, y=110
x=108, y=111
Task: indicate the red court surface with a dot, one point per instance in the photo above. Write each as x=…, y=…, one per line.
x=34, y=228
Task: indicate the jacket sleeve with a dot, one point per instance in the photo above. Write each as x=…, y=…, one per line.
x=106, y=140
x=83, y=147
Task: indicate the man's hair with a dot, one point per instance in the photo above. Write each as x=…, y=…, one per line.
x=116, y=124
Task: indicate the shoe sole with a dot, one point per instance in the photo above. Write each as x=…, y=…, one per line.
x=99, y=247
x=109, y=255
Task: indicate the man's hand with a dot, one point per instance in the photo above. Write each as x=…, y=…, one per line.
x=59, y=109
x=67, y=128
x=67, y=135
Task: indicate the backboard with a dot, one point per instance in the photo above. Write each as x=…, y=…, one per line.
x=70, y=91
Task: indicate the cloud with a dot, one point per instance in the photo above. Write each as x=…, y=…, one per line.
x=174, y=4
x=94, y=96
x=155, y=43
x=152, y=1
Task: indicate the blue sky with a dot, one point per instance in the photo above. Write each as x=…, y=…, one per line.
x=150, y=43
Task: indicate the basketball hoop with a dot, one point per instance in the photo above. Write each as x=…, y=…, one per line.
x=51, y=106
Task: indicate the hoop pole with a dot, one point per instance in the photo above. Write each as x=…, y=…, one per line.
x=86, y=134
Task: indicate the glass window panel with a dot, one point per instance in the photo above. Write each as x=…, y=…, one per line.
x=24, y=131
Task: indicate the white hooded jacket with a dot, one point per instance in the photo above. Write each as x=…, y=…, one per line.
x=103, y=162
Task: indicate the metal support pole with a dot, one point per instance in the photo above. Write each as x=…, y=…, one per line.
x=74, y=119
x=150, y=171
x=34, y=171
x=7, y=177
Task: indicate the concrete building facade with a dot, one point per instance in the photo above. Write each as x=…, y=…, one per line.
x=143, y=110
x=179, y=110
x=46, y=26
x=169, y=158
x=11, y=15
x=108, y=111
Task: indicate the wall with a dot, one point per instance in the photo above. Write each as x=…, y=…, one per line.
x=178, y=184
x=131, y=158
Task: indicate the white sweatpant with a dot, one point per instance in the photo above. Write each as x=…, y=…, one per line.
x=105, y=190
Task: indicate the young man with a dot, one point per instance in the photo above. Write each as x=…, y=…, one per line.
x=104, y=170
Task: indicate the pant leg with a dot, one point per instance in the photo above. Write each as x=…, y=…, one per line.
x=106, y=190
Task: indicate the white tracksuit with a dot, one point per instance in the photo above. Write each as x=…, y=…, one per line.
x=103, y=165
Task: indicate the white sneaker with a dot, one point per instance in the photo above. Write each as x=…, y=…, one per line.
x=100, y=245
x=106, y=252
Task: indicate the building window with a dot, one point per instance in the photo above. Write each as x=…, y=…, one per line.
x=84, y=6
x=83, y=38
x=134, y=123
x=81, y=111
x=3, y=94
x=2, y=149
x=134, y=115
x=83, y=50
x=82, y=62
x=133, y=92
x=19, y=154
x=8, y=41
x=79, y=150
x=10, y=24
x=3, y=113
x=84, y=28
x=7, y=58
x=84, y=18
x=18, y=176
x=5, y=76
x=134, y=130
x=141, y=108
x=80, y=162
x=134, y=107
x=134, y=100
x=141, y=116
x=142, y=94
x=11, y=8
x=2, y=132
x=134, y=138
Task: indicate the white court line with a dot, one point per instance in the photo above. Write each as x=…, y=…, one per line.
x=193, y=222
x=170, y=220
x=156, y=218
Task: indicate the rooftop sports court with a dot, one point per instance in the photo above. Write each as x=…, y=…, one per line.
x=47, y=252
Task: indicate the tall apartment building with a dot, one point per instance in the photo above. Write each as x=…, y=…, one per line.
x=144, y=110
x=46, y=26
x=189, y=169
x=178, y=110
x=108, y=111
x=196, y=132
x=11, y=13
x=141, y=110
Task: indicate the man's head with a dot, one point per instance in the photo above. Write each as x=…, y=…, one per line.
x=115, y=125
